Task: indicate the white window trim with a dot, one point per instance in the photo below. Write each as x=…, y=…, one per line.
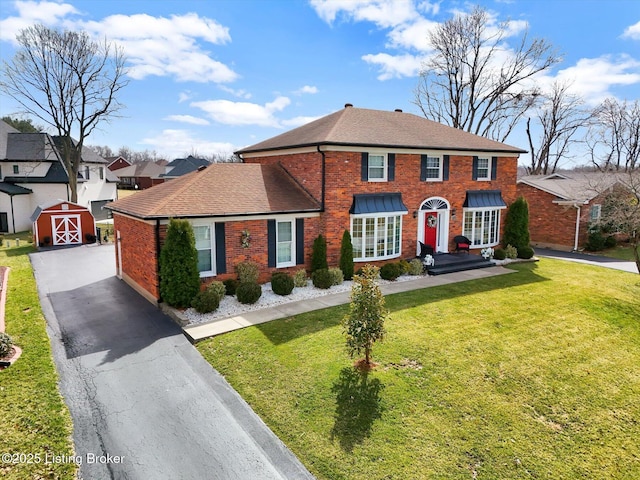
x=471, y=237
x=440, y=168
x=212, y=234
x=596, y=207
x=292, y=262
x=488, y=177
x=385, y=167
x=376, y=216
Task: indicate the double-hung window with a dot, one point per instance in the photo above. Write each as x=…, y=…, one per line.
x=376, y=237
x=377, y=168
x=204, y=246
x=433, y=169
x=594, y=213
x=484, y=169
x=285, y=244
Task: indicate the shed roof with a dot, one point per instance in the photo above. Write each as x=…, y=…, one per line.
x=221, y=189
x=364, y=127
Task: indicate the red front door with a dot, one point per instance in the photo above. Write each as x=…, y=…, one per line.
x=431, y=229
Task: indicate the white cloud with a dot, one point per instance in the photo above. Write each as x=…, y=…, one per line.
x=306, y=89
x=593, y=78
x=395, y=66
x=177, y=143
x=187, y=119
x=298, y=121
x=243, y=113
x=412, y=35
x=384, y=13
x=240, y=93
x=161, y=46
x=632, y=32
x=184, y=96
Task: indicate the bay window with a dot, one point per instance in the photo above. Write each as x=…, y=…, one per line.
x=376, y=236
x=482, y=226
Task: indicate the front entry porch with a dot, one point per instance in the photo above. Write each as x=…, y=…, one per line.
x=456, y=262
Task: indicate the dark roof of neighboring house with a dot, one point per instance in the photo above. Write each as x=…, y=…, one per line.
x=579, y=187
x=182, y=166
x=377, y=128
x=11, y=189
x=141, y=169
x=30, y=147
x=55, y=174
x=257, y=189
x=88, y=155
x=5, y=130
x=112, y=160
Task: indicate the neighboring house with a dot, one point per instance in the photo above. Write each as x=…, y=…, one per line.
x=392, y=179
x=140, y=176
x=181, y=166
x=32, y=174
x=562, y=205
x=116, y=163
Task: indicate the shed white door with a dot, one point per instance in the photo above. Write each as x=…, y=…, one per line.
x=66, y=229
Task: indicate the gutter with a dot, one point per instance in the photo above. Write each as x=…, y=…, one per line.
x=324, y=179
x=578, y=207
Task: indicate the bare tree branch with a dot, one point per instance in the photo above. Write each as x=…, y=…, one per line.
x=69, y=82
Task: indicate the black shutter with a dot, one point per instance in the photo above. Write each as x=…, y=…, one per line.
x=299, y=241
x=271, y=243
x=221, y=251
x=474, y=174
x=423, y=168
x=391, y=167
x=445, y=167
x=494, y=167
x=364, y=167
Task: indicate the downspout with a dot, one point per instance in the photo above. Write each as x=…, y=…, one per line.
x=575, y=243
x=13, y=216
x=158, y=257
x=323, y=184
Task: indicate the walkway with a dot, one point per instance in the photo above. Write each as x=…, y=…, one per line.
x=217, y=327
x=598, y=260
x=142, y=398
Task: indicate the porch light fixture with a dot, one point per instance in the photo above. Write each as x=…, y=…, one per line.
x=453, y=214
x=415, y=214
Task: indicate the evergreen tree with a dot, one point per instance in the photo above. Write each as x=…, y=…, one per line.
x=346, y=256
x=516, y=225
x=319, y=254
x=179, y=277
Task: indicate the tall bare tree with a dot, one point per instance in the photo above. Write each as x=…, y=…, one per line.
x=474, y=81
x=559, y=117
x=614, y=138
x=68, y=81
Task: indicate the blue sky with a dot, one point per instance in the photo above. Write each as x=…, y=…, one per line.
x=213, y=76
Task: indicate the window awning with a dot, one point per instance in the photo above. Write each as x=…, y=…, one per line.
x=365, y=203
x=484, y=199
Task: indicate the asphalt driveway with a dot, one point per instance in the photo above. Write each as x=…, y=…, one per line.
x=144, y=403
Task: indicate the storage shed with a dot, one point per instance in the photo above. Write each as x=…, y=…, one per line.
x=63, y=223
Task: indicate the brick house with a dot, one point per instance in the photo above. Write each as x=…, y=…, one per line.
x=392, y=179
x=562, y=205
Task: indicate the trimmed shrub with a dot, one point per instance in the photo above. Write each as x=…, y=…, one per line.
x=322, y=278
x=337, y=276
x=179, y=276
x=499, y=254
x=300, y=278
x=511, y=252
x=525, y=252
x=404, y=266
x=610, y=242
x=516, y=224
x=415, y=267
x=1, y=240
x=281, y=283
x=390, y=271
x=206, y=301
x=596, y=240
x=230, y=286
x=319, y=254
x=248, y=292
x=248, y=272
x=346, y=256
x=5, y=344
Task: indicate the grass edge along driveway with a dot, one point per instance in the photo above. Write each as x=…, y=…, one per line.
x=535, y=374
x=35, y=424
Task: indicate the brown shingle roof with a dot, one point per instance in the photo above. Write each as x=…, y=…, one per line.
x=220, y=189
x=378, y=128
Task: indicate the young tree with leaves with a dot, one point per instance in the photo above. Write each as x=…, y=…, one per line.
x=516, y=225
x=68, y=81
x=364, y=324
x=346, y=256
x=476, y=79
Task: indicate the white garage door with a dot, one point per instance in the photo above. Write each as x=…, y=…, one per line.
x=66, y=229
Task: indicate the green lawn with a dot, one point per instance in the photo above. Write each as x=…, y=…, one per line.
x=33, y=417
x=621, y=252
x=535, y=374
